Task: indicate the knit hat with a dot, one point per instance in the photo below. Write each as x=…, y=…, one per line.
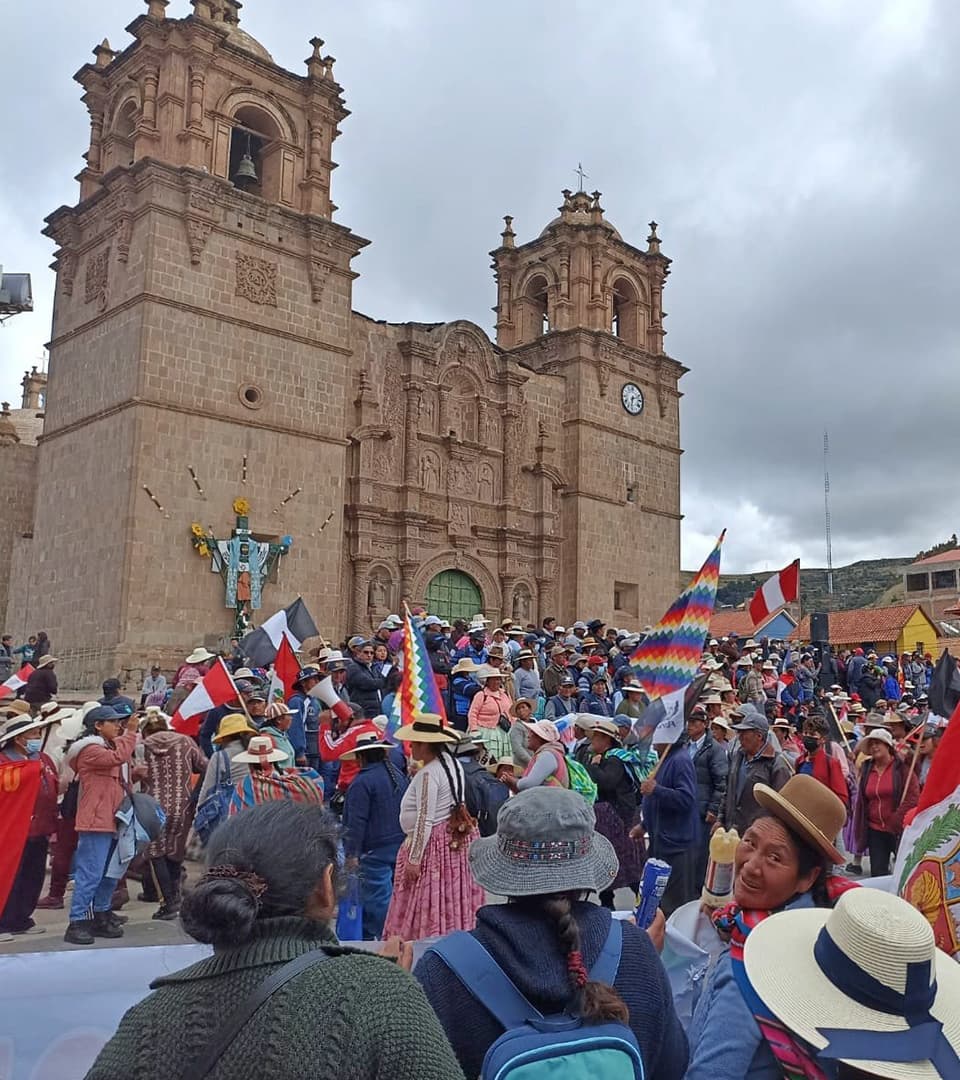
x=862, y=983
x=277, y=709
x=546, y=842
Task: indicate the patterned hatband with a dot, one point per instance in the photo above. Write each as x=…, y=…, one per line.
x=538, y=851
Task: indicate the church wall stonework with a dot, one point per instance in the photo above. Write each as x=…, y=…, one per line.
x=203, y=321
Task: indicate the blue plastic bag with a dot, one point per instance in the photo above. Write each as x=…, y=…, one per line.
x=350, y=912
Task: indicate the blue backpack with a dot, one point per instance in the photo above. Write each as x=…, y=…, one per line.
x=538, y=1047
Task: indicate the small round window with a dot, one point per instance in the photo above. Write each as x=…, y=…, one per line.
x=251, y=396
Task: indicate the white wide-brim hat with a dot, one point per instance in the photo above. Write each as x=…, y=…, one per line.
x=199, y=655
x=838, y=979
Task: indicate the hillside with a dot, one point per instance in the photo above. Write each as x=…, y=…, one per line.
x=867, y=583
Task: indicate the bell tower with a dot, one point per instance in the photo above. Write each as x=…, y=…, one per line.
x=582, y=304
x=201, y=337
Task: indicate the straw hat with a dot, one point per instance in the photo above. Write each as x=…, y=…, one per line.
x=584, y=720
x=521, y=701
x=369, y=740
x=15, y=708
x=427, y=727
x=856, y=709
x=233, y=724
x=466, y=664
x=486, y=671
x=504, y=762
x=546, y=842
x=721, y=722
x=261, y=751
x=17, y=725
x=809, y=809
x=546, y=729
x=606, y=726
x=845, y=980
x=45, y=661
x=199, y=655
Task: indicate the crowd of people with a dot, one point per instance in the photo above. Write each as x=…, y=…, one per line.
x=521, y=821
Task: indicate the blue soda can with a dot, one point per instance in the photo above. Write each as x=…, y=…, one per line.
x=656, y=874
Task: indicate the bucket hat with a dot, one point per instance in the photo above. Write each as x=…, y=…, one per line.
x=276, y=709
x=233, y=724
x=809, y=809
x=262, y=750
x=546, y=842
x=546, y=729
x=863, y=983
x=879, y=735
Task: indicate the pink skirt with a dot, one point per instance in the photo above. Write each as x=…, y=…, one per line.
x=444, y=898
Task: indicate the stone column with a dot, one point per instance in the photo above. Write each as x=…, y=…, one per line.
x=195, y=113
x=411, y=426
x=95, y=154
x=512, y=433
x=148, y=115
x=361, y=570
x=315, y=159
x=546, y=598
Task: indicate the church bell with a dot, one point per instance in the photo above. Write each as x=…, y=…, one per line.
x=246, y=174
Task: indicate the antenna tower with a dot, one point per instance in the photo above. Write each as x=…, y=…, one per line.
x=826, y=509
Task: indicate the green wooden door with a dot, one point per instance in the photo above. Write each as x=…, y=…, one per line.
x=454, y=595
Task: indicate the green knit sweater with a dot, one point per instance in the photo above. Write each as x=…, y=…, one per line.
x=356, y=1016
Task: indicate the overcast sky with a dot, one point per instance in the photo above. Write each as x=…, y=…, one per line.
x=800, y=157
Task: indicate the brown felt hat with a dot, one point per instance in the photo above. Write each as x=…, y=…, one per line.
x=809, y=809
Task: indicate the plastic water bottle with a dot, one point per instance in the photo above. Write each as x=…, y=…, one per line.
x=718, y=884
x=656, y=874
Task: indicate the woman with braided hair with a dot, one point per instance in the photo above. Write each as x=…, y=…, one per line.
x=267, y=898
x=433, y=889
x=547, y=858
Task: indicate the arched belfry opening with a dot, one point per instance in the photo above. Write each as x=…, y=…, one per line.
x=626, y=318
x=252, y=167
x=536, y=312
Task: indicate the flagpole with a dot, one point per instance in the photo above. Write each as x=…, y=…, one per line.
x=913, y=766
x=243, y=704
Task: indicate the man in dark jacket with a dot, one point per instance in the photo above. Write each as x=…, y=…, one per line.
x=41, y=686
x=115, y=700
x=484, y=794
x=755, y=761
x=438, y=645
x=555, y=671
x=710, y=762
x=855, y=666
x=671, y=817
x=371, y=827
x=364, y=684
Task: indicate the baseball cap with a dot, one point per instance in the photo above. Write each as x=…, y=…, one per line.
x=567, y=682
x=750, y=720
x=356, y=642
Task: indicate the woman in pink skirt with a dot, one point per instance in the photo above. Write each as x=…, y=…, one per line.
x=434, y=891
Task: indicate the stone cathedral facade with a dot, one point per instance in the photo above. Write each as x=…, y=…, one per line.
x=204, y=349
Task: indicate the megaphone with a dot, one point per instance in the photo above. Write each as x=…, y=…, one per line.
x=326, y=692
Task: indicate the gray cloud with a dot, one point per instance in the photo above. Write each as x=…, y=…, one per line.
x=798, y=156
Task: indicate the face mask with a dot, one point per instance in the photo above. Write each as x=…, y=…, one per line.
x=33, y=746
x=811, y=743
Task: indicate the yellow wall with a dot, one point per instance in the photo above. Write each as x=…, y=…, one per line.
x=918, y=628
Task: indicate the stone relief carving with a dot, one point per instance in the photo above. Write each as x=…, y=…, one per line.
x=124, y=224
x=378, y=593
x=486, y=482
x=430, y=472
x=198, y=233
x=257, y=280
x=521, y=604
x=67, y=271
x=97, y=280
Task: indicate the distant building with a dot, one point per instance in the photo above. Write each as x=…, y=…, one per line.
x=779, y=626
x=933, y=582
x=895, y=630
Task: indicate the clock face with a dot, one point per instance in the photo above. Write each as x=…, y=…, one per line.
x=632, y=397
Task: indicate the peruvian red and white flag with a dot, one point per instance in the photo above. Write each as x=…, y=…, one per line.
x=928, y=858
x=782, y=588
x=16, y=682
x=215, y=688
x=785, y=680
x=326, y=692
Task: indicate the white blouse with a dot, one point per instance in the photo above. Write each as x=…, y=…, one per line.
x=428, y=802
